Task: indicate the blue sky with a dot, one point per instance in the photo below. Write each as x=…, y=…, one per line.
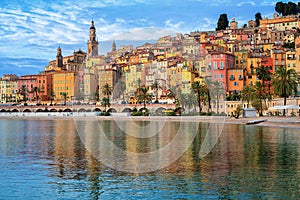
x=31, y=31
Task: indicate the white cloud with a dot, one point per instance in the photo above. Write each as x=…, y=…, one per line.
x=174, y=26
x=246, y=3
x=150, y=33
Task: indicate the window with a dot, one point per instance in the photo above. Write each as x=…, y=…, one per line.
x=235, y=83
x=215, y=65
x=221, y=75
x=221, y=65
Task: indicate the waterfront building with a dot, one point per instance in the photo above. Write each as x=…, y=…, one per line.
x=108, y=74
x=187, y=77
x=44, y=84
x=235, y=80
x=133, y=78
x=27, y=85
x=221, y=62
x=91, y=84
x=9, y=88
x=65, y=86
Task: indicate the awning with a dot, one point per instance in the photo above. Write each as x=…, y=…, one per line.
x=285, y=107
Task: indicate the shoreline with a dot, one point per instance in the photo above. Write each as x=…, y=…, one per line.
x=280, y=122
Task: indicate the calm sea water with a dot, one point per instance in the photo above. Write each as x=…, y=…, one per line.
x=49, y=159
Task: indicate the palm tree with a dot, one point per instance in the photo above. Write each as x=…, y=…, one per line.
x=218, y=90
x=260, y=98
x=263, y=74
x=51, y=96
x=106, y=90
x=247, y=94
x=181, y=99
x=36, y=90
x=191, y=99
x=171, y=94
x=64, y=95
x=156, y=87
x=208, y=85
x=199, y=89
x=24, y=92
x=285, y=82
x=105, y=102
x=143, y=95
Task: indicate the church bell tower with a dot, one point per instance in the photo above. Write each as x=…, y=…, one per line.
x=92, y=44
x=59, y=58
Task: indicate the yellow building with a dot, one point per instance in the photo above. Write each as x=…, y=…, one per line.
x=64, y=86
x=188, y=77
x=90, y=83
x=280, y=23
x=133, y=79
x=297, y=48
x=108, y=74
x=9, y=88
x=291, y=62
x=252, y=64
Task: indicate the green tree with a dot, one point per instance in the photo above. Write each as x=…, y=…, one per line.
x=191, y=100
x=257, y=19
x=36, y=91
x=208, y=85
x=51, y=96
x=247, y=94
x=106, y=103
x=64, y=95
x=285, y=83
x=199, y=90
x=279, y=7
x=155, y=86
x=24, y=92
x=264, y=75
x=96, y=96
x=171, y=94
x=218, y=91
x=259, y=102
x=285, y=9
x=143, y=95
x=222, y=22
x=106, y=90
x=181, y=100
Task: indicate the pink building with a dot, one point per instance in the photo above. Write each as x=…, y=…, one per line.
x=28, y=82
x=220, y=63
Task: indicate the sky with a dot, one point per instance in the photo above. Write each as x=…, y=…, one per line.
x=31, y=31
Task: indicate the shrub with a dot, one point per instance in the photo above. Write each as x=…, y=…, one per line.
x=136, y=113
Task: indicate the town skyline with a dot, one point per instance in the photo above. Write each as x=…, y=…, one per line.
x=27, y=29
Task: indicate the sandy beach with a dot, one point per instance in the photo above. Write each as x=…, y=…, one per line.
x=289, y=122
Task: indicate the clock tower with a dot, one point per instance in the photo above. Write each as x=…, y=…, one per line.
x=92, y=44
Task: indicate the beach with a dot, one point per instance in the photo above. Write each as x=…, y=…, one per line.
x=284, y=122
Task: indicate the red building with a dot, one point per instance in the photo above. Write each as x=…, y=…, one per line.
x=26, y=85
x=220, y=63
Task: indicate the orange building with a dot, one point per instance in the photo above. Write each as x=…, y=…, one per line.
x=65, y=85
x=235, y=80
x=45, y=86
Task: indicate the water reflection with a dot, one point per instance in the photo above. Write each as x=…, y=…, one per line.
x=248, y=162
